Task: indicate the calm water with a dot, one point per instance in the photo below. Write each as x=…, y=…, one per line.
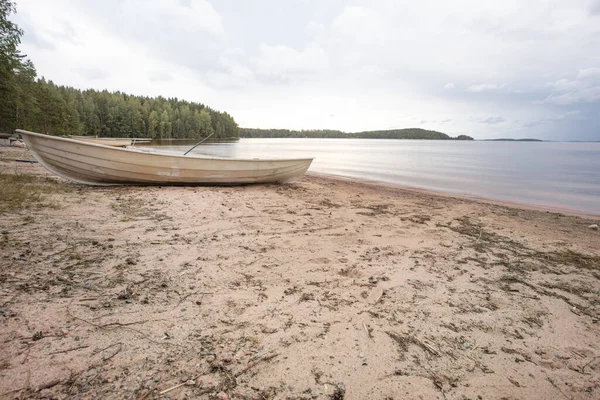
x=560, y=175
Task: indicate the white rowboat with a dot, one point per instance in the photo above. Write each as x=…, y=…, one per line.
x=96, y=164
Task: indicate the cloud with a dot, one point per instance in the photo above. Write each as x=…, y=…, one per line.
x=589, y=74
x=373, y=65
x=92, y=73
x=569, y=114
x=160, y=76
x=485, y=87
x=553, y=119
x=315, y=29
x=37, y=40
x=190, y=33
x=283, y=62
x=585, y=88
x=193, y=17
x=232, y=71
x=493, y=120
x=65, y=31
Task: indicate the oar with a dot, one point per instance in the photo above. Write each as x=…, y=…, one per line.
x=199, y=143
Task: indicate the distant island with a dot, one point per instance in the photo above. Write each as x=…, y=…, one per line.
x=410, y=133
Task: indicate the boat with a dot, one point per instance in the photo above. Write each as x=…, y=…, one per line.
x=115, y=142
x=98, y=164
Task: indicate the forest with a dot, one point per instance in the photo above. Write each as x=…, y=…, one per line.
x=411, y=133
x=32, y=103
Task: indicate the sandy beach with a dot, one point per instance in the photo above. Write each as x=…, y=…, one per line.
x=323, y=289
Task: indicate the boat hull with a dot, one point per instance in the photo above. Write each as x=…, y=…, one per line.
x=96, y=164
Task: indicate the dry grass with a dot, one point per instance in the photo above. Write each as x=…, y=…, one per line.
x=20, y=191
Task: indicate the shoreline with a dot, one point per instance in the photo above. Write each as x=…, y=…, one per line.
x=433, y=192
x=325, y=289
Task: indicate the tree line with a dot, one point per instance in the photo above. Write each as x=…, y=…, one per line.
x=410, y=133
x=32, y=103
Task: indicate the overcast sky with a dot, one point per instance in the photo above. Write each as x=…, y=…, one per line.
x=484, y=68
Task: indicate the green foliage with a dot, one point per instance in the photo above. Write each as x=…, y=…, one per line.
x=41, y=106
x=60, y=110
x=10, y=34
x=412, y=133
x=15, y=71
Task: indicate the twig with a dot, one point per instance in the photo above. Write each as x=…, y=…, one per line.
x=148, y=393
x=378, y=294
x=121, y=326
x=115, y=353
x=252, y=262
x=367, y=330
x=253, y=364
x=108, y=347
x=172, y=388
x=26, y=356
x=480, y=232
x=65, y=280
x=48, y=385
x=12, y=391
x=30, y=253
x=112, y=314
x=67, y=350
x=183, y=299
x=559, y=389
x=122, y=323
x=437, y=382
x=175, y=387
x=426, y=346
x=591, y=361
x=63, y=250
x=10, y=300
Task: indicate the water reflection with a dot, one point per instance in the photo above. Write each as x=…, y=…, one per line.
x=562, y=175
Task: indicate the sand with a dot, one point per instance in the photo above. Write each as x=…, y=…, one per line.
x=322, y=289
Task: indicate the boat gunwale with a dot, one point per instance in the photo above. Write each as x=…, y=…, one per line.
x=106, y=147
x=96, y=138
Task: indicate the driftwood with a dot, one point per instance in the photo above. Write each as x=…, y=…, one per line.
x=255, y=363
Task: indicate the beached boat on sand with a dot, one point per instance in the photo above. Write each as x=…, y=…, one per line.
x=97, y=164
x=115, y=142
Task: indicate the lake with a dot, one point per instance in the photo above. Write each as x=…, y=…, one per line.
x=552, y=174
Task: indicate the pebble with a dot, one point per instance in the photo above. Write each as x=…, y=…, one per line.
x=222, y=396
x=594, y=227
x=466, y=345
